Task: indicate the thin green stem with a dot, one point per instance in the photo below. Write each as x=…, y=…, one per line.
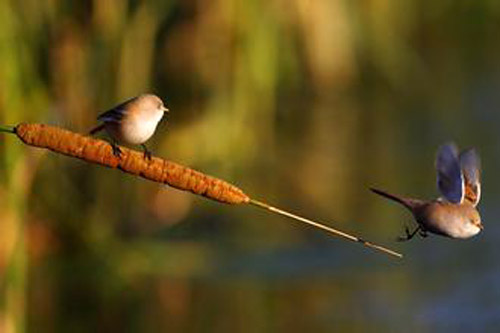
x=7, y=129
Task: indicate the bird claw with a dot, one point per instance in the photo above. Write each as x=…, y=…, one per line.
x=116, y=150
x=147, y=153
x=409, y=235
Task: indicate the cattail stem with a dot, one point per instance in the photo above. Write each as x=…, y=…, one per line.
x=155, y=169
x=324, y=227
x=7, y=129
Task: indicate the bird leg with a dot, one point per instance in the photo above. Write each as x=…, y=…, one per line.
x=116, y=150
x=147, y=153
x=409, y=235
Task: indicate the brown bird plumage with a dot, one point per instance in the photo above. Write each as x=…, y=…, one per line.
x=132, y=122
x=453, y=215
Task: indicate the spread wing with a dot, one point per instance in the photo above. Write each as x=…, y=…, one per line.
x=450, y=180
x=471, y=165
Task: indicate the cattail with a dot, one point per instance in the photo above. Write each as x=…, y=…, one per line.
x=130, y=161
x=158, y=170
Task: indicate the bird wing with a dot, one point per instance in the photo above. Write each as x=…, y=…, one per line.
x=450, y=180
x=114, y=115
x=471, y=165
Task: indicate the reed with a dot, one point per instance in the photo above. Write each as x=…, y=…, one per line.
x=158, y=170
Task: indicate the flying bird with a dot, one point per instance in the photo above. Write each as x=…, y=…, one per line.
x=454, y=214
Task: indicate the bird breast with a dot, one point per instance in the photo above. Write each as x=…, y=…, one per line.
x=133, y=130
x=447, y=219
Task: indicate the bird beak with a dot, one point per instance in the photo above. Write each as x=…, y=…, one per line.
x=165, y=109
x=480, y=225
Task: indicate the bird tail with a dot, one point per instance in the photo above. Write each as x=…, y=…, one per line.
x=407, y=202
x=96, y=129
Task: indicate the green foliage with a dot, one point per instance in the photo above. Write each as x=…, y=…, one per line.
x=303, y=103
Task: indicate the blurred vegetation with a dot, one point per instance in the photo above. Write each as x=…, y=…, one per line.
x=303, y=103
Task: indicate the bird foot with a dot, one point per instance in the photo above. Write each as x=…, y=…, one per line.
x=409, y=235
x=147, y=153
x=116, y=150
x=423, y=233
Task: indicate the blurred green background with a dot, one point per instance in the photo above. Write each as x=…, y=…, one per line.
x=302, y=103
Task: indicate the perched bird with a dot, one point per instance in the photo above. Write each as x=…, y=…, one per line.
x=454, y=214
x=132, y=122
